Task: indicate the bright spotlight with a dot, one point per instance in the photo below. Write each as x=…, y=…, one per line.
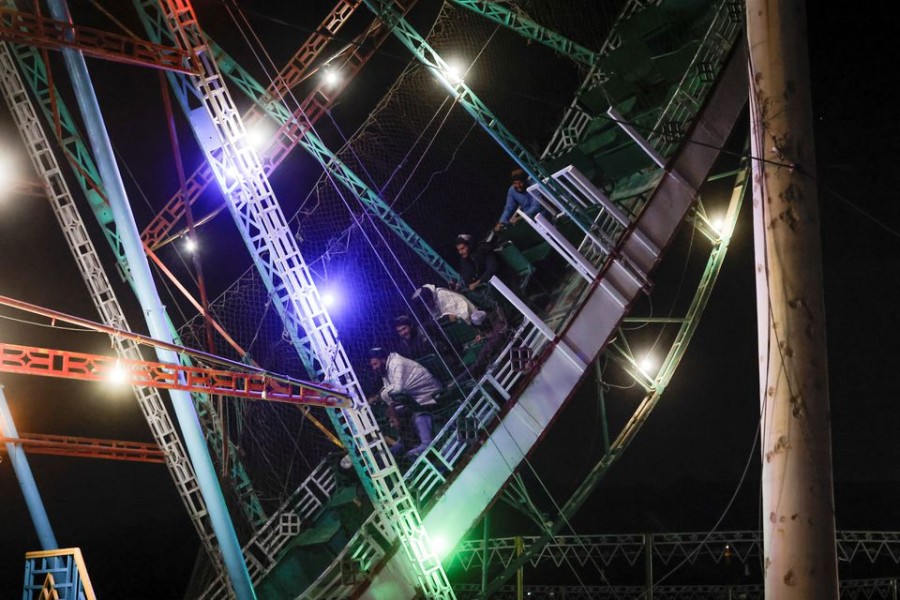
x=190, y=244
x=259, y=135
x=648, y=364
x=454, y=72
x=329, y=299
x=331, y=77
x=118, y=375
x=439, y=546
x=717, y=223
x=6, y=172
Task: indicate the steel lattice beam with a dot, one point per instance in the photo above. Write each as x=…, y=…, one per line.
x=668, y=548
x=82, y=366
x=79, y=447
x=297, y=129
x=530, y=30
x=43, y=32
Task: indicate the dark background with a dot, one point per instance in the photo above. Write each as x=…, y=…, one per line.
x=685, y=465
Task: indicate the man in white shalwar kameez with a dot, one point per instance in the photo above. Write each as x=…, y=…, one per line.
x=404, y=376
x=442, y=302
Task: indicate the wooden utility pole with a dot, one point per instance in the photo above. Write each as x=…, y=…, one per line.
x=798, y=497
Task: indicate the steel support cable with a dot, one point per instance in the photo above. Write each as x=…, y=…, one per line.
x=453, y=104
x=722, y=515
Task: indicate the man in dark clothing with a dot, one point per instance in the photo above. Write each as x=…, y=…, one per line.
x=411, y=343
x=476, y=264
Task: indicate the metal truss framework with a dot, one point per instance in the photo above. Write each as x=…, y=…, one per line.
x=64, y=364
x=530, y=30
x=262, y=224
x=43, y=32
x=91, y=269
x=296, y=128
x=36, y=74
x=859, y=589
x=80, y=447
x=48, y=572
x=675, y=116
x=670, y=549
x=667, y=548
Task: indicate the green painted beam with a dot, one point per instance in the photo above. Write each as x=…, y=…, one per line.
x=530, y=30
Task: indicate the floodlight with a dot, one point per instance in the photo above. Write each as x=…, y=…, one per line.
x=118, y=375
x=259, y=135
x=454, y=72
x=329, y=299
x=332, y=77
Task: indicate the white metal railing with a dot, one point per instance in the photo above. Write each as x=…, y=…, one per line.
x=261, y=552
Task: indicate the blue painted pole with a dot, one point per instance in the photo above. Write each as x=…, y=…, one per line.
x=26, y=479
x=153, y=311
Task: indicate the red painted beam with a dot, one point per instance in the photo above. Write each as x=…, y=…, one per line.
x=63, y=364
x=79, y=447
x=34, y=30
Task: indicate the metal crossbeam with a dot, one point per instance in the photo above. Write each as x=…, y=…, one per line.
x=43, y=32
x=668, y=548
x=80, y=447
x=82, y=366
x=530, y=30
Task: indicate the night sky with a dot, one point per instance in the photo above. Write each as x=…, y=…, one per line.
x=687, y=461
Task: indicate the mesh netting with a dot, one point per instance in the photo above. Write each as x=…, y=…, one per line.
x=436, y=168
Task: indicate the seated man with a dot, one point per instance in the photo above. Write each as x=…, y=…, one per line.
x=492, y=330
x=442, y=302
x=477, y=264
x=411, y=342
x=407, y=377
x=518, y=198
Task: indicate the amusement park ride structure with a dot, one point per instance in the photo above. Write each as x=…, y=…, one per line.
x=610, y=242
